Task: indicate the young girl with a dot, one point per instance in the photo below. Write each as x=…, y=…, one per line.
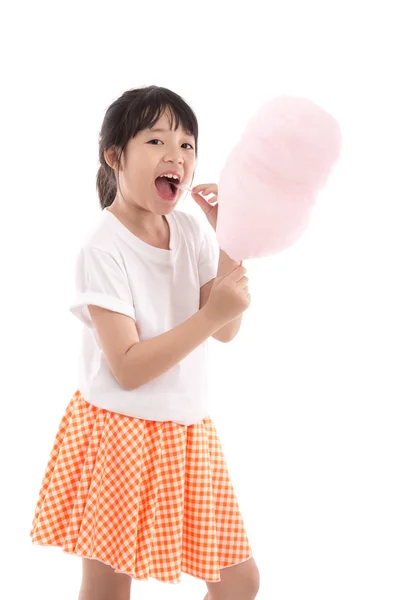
x=137, y=483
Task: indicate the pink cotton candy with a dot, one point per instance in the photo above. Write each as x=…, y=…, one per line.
x=270, y=181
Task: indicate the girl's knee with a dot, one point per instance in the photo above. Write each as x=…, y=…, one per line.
x=101, y=582
x=252, y=577
x=239, y=582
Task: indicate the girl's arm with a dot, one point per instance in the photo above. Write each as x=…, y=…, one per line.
x=134, y=362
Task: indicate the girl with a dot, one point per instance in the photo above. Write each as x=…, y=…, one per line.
x=137, y=483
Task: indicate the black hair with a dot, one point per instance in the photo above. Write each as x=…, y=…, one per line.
x=134, y=111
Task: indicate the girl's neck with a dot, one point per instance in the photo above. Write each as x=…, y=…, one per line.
x=149, y=227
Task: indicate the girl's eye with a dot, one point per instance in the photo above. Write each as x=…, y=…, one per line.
x=156, y=142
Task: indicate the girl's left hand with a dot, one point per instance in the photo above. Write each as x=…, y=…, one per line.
x=209, y=207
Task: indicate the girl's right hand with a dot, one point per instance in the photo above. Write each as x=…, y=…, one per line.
x=229, y=297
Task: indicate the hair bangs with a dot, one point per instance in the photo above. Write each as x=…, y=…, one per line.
x=145, y=113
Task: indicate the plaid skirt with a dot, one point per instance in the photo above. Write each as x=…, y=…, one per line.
x=149, y=498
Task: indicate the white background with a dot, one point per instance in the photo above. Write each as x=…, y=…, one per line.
x=306, y=398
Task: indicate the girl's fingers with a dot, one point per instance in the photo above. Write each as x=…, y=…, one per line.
x=202, y=202
x=205, y=189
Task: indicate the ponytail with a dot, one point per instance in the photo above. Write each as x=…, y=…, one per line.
x=106, y=185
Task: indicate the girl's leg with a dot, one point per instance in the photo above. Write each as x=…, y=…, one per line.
x=100, y=582
x=240, y=582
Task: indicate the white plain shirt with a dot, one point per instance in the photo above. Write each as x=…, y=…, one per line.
x=159, y=289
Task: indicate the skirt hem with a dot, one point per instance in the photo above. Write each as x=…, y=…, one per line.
x=174, y=581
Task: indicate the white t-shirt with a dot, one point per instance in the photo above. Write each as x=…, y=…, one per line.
x=159, y=289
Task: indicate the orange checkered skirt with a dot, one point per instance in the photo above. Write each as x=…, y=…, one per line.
x=149, y=498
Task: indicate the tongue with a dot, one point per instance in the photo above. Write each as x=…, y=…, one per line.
x=165, y=188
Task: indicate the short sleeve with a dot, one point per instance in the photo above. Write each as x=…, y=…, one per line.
x=208, y=256
x=101, y=281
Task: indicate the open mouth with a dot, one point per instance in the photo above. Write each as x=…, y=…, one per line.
x=166, y=188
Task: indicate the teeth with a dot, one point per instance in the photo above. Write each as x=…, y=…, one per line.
x=170, y=175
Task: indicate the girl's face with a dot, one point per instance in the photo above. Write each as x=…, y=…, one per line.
x=151, y=154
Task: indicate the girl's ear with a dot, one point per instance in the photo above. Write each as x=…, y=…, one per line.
x=111, y=157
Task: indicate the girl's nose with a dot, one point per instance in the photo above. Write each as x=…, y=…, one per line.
x=175, y=157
